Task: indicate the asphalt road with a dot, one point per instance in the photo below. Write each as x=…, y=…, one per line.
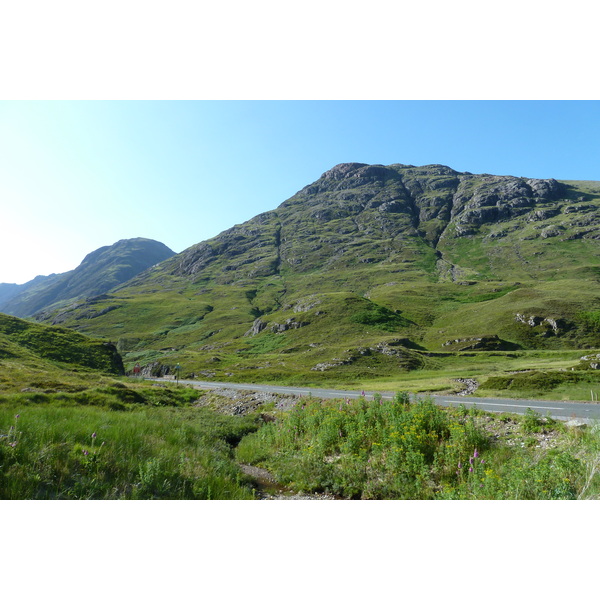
x=586, y=411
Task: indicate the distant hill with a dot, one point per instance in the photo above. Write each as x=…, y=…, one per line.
x=99, y=272
x=8, y=290
x=369, y=270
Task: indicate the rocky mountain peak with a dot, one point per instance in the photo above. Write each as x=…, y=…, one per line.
x=343, y=171
x=384, y=206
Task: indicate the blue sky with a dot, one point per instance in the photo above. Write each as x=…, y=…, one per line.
x=77, y=175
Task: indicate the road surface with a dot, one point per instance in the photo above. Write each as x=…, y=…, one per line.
x=586, y=411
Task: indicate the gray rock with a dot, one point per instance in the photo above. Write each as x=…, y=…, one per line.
x=289, y=324
x=256, y=328
x=579, y=423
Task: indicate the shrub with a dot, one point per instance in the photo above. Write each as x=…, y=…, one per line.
x=379, y=317
x=531, y=422
x=402, y=398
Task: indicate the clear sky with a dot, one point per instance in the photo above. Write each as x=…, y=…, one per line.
x=77, y=175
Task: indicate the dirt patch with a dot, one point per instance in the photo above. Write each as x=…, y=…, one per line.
x=242, y=402
x=508, y=431
x=469, y=386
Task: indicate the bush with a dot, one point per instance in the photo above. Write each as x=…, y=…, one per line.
x=360, y=449
x=531, y=422
x=402, y=398
x=379, y=317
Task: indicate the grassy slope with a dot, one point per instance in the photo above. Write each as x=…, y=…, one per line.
x=30, y=353
x=71, y=427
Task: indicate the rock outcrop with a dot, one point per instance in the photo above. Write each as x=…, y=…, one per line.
x=488, y=342
x=553, y=326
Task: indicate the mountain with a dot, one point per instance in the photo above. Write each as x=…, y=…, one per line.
x=99, y=271
x=8, y=290
x=369, y=270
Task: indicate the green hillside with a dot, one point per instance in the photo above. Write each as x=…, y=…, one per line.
x=384, y=273
x=35, y=357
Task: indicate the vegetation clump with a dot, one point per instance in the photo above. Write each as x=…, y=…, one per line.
x=379, y=317
x=396, y=450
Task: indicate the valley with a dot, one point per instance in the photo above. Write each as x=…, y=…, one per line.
x=399, y=275
x=399, y=280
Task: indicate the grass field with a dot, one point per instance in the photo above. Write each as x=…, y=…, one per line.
x=119, y=443
x=137, y=441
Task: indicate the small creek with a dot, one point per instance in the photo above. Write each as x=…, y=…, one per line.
x=268, y=488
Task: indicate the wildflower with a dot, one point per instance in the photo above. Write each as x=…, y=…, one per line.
x=17, y=416
x=13, y=444
x=460, y=465
x=475, y=454
x=471, y=460
x=470, y=469
x=94, y=435
x=85, y=452
x=482, y=461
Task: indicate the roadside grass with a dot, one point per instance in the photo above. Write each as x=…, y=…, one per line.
x=50, y=450
x=384, y=374
x=124, y=439
x=394, y=450
x=547, y=386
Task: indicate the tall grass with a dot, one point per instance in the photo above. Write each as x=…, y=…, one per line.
x=350, y=448
x=85, y=452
